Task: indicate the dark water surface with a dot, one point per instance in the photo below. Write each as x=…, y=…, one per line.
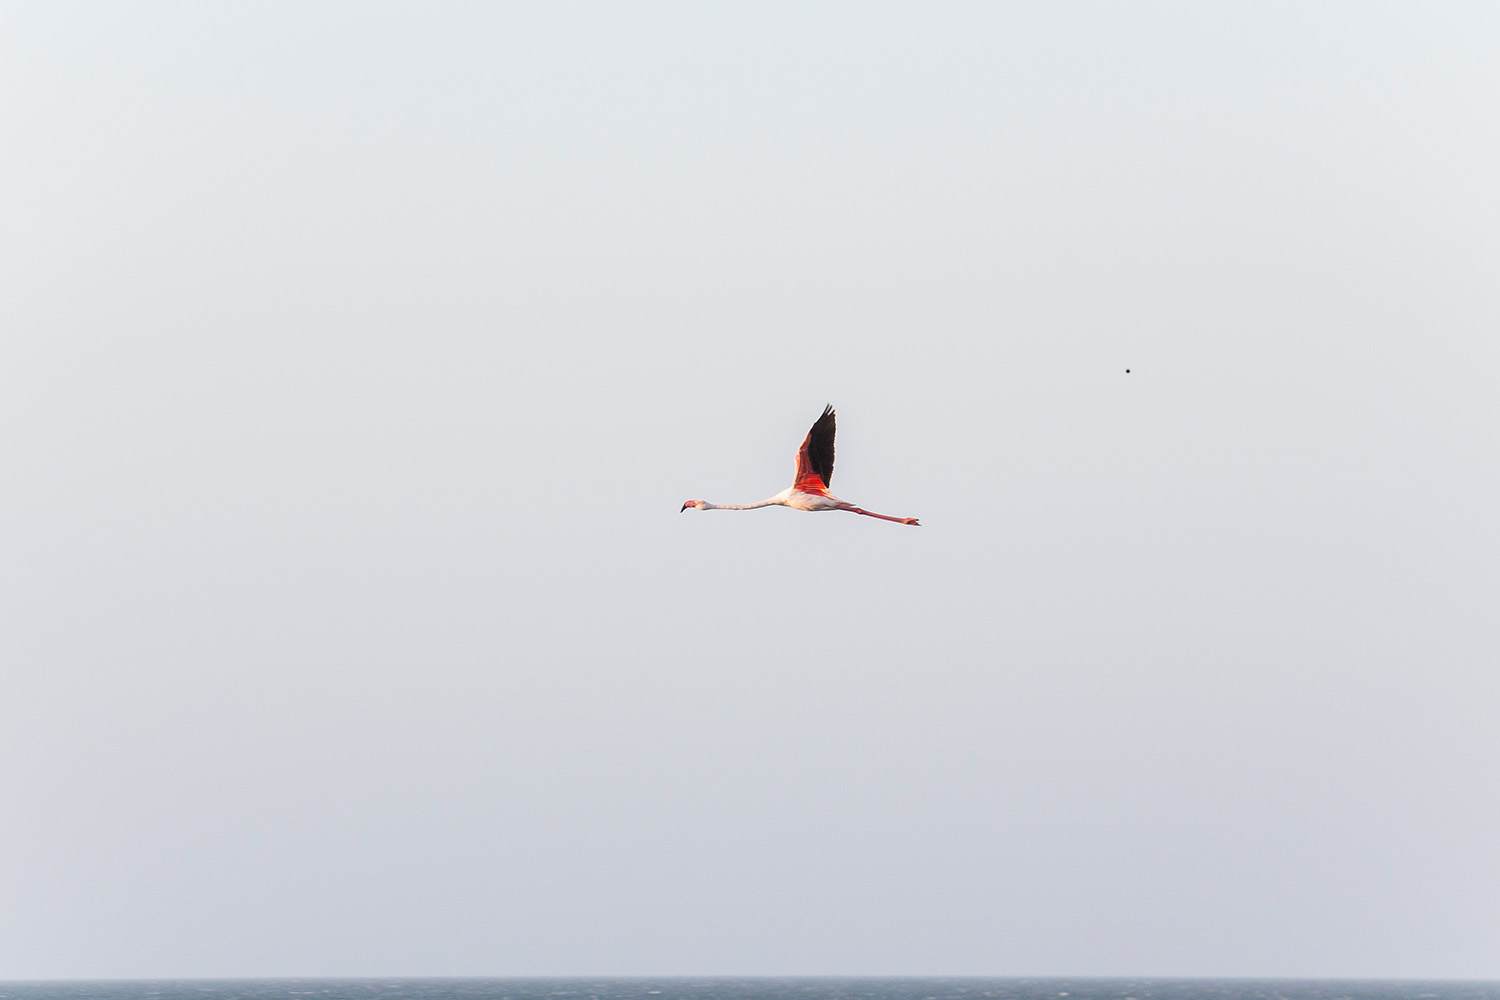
x=727, y=988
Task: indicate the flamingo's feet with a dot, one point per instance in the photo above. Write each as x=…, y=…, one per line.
x=911, y=520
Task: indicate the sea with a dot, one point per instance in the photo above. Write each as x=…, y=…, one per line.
x=758, y=988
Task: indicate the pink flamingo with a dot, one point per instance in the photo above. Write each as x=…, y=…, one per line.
x=809, y=489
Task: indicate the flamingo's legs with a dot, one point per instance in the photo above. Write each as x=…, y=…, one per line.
x=883, y=517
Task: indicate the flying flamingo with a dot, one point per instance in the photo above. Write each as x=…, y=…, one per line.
x=809, y=489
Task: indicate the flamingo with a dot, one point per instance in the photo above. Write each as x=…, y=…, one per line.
x=809, y=489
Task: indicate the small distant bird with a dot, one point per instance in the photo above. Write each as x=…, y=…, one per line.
x=809, y=489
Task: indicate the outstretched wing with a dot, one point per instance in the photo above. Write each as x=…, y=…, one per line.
x=815, y=457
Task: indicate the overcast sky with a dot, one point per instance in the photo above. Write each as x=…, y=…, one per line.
x=355, y=360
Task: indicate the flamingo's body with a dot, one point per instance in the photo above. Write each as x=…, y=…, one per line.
x=809, y=489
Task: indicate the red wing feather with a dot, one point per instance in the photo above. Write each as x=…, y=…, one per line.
x=815, y=457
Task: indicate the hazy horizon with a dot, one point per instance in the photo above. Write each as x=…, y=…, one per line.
x=357, y=359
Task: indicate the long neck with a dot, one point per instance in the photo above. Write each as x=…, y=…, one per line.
x=773, y=501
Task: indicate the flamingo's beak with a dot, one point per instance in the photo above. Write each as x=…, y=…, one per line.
x=684, y=507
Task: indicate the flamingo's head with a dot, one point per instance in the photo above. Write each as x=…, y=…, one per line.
x=696, y=504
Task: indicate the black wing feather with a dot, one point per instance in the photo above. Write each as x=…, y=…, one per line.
x=820, y=445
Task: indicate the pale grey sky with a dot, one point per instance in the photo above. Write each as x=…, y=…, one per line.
x=355, y=360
